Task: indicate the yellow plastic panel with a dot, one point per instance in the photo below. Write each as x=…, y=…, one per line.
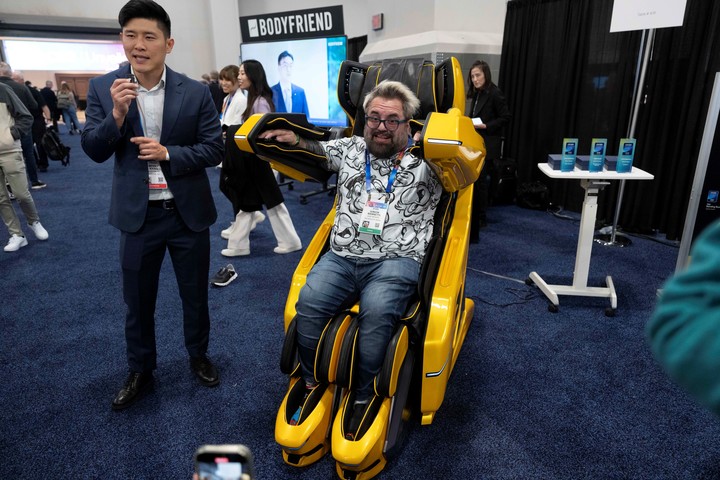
x=309, y=258
x=459, y=94
x=241, y=136
x=301, y=439
x=364, y=451
x=453, y=149
x=449, y=318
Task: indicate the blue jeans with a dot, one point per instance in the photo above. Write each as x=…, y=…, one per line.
x=70, y=118
x=384, y=289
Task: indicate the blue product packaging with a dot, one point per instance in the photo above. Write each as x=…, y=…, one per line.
x=569, y=154
x=626, y=153
x=610, y=163
x=598, y=147
x=583, y=162
x=554, y=160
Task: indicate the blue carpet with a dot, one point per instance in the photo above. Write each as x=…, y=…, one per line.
x=535, y=395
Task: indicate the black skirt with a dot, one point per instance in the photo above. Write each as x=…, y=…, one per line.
x=247, y=181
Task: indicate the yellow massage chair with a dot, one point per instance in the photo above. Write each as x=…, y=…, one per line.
x=426, y=343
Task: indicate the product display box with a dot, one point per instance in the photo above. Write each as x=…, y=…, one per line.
x=626, y=153
x=590, y=163
x=583, y=162
x=554, y=160
x=610, y=162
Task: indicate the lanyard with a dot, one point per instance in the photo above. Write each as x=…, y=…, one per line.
x=226, y=104
x=393, y=173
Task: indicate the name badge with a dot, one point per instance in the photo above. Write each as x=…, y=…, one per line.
x=157, y=178
x=372, y=219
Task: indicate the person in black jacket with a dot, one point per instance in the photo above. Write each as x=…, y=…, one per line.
x=490, y=113
x=51, y=101
x=40, y=116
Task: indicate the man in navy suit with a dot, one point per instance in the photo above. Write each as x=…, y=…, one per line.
x=162, y=128
x=287, y=96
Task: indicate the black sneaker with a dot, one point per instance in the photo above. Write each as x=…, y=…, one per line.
x=38, y=185
x=224, y=276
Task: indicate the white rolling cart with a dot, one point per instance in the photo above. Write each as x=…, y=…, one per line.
x=592, y=183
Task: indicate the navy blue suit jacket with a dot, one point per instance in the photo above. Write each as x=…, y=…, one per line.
x=299, y=102
x=191, y=133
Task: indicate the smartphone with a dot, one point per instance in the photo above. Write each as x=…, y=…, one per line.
x=224, y=462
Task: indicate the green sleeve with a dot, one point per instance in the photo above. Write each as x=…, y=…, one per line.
x=684, y=330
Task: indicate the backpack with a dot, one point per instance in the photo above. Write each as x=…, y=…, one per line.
x=533, y=195
x=54, y=147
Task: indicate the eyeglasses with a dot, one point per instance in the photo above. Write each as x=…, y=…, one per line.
x=391, y=124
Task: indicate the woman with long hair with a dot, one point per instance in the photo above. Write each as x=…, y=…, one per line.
x=68, y=107
x=249, y=181
x=490, y=114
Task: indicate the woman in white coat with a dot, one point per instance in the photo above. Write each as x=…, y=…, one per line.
x=234, y=104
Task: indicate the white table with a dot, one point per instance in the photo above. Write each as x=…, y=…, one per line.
x=592, y=182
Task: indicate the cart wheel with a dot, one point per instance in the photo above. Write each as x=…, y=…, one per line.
x=609, y=312
x=552, y=308
x=528, y=281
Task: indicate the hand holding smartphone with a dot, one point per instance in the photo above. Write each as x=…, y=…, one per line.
x=224, y=462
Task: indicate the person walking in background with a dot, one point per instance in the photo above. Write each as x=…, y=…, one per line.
x=68, y=108
x=41, y=116
x=163, y=130
x=26, y=141
x=684, y=330
x=490, y=113
x=51, y=101
x=287, y=96
x=249, y=182
x=215, y=90
x=15, y=121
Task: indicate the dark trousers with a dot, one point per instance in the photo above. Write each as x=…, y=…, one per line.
x=478, y=214
x=141, y=256
x=26, y=141
x=38, y=130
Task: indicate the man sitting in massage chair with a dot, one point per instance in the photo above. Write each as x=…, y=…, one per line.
x=386, y=200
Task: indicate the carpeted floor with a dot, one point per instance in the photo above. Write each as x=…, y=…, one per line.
x=535, y=395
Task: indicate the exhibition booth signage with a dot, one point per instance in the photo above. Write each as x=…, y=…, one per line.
x=296, y=24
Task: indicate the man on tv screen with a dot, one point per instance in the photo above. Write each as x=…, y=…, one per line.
x=287, y=96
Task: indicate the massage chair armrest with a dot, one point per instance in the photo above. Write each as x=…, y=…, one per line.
x=291, y=161
x=452, y=148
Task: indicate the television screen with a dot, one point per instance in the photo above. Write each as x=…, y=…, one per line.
x=310, y=72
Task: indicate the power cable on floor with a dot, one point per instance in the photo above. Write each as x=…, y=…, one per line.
x=523, y=294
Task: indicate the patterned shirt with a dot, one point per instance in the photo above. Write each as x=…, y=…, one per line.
x=412, y=201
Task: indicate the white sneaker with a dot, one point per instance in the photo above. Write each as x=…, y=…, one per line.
x=225, y=234
x=15, y=243
x=39, y=231
x=283, y=250
x=235, y=252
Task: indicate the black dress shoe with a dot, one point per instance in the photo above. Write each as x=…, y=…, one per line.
x=136, y=384
x=205, y=371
